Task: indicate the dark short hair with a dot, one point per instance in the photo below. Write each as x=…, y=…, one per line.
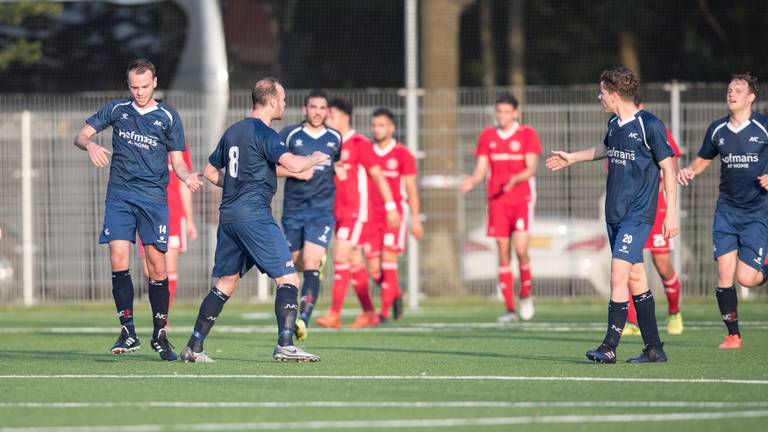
x=384, y=112
x=141, y=65
x=315, y=94
x=507, y=98
x=751, y=80
x=264, y=90
x=637, y=100
x=342, y=105
x=622, y=81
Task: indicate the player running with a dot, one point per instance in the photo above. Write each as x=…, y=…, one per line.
x=383, y=243
x=248, y=234
x=636, y=147
x=662, y=261
x=145, y=133
x=740, y=227
x=309, y=196
x=510, y=151
x=352, y=209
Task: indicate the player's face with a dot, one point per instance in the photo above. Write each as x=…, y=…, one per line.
x=316, y=111
x=738, y=96
x=607, y=98
x=506, y=115
x=337, y=119
x=382, y=128
x=142, y=87
x=279, y=103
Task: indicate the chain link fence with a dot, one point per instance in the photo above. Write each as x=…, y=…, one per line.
x=50, y=245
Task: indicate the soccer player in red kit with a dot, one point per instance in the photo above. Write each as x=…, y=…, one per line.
x=383, y=244
x=352, y=209
x=181, y=226
x=660, y=248
x=510, y=151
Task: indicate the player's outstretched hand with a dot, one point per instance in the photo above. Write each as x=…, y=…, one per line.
x=98, y=154
x=763, y=179
x=191, y=231
x=417, y=229
x=193, y=182
x=467, y=184
x=393, y=219
x=559, y=160
x=669, y=228
x=685, y=175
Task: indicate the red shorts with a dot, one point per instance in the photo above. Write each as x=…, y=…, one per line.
x=350, y=230
x=505, y=218
x=379, y=237
x=177, y=234
x=656, y=242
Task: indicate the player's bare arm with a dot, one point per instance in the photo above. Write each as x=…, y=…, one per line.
x=479, y=174
x=393, y=217
x=561, y=159
x=186, y=203
x=687, y=174
x=531, y=160
x=98, y=154
x=303, y=175
x=213, y=175
x=297, y=164
x=414, y=204
x=669, y=171
x=180, y=168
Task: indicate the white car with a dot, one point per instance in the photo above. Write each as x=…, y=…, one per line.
x=560, y=249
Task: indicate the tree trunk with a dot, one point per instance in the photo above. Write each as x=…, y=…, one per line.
x=487, y=52
x=517, y=49
x=628, y=51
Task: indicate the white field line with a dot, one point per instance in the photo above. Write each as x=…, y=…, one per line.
x=394, y=378
x=386, y=404
x=397, y=424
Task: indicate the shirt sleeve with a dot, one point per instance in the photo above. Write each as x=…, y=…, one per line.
x=337, y=153
x=274, y=147
x=218, y=157
x=102, y=118
x=656, y=138
x=409, y=163
x=175, y=134
x=533, y=144
x=708, y=148
x=482, y=146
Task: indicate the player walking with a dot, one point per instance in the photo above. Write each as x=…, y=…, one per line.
x=636, y=148
x=352, y=208
x=309, y=196
x=383, y=244
x=510, y=151
x=248, y=234
x=740, y=227
x=144, y=134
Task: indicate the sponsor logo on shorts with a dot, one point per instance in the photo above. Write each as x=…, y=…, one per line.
x=289, y=263
x=106, y=231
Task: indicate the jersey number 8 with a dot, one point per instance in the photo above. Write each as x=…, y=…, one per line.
x=234, y=165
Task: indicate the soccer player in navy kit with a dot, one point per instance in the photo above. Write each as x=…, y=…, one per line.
x=248, y=235
x=309, y=198
x=144, y=133
x=740, y=226
x=636, y=147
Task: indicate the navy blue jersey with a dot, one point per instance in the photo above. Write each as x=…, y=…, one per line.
x=248, y=151
x=743, y=156
x=635, y=149
x=141, y=140
x=317, y=193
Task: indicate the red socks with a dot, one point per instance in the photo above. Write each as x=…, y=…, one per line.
x=507, y=285
x=672, y=289
x=360, y=283
x=525, y=280
x=341, y=279
x=390, y=286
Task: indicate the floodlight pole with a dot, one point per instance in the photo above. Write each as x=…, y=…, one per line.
x=412, y=128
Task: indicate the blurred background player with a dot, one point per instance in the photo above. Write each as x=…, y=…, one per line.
x=383, y=243
x=248, y=234
x=181, y=228
x=662, y=260
x=145, y=133
x=509, y=152
x=636, y=147
x=352, y=209
x=740, y=226
x=308, y=202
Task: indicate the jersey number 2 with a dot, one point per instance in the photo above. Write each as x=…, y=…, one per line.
x=234, y=164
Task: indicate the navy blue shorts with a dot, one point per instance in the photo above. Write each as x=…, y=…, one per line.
x=241, y=245
x=309, y=227
x=627, y=240
x=748, y=235
x=124, y=217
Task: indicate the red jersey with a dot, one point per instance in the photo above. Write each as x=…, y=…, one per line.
x=506, y=157
x=395, y=161
x=175, y=207
x=352, y=196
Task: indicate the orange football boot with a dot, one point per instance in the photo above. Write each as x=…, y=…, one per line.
x=731, y=342
x=331, y=320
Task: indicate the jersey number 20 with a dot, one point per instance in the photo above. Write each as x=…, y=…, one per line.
x=234, y=165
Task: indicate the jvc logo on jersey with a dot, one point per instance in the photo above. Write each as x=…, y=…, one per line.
x=159, y=124
x=331, y=144
x=634, y=136
x=739, y=161
x=754, y=139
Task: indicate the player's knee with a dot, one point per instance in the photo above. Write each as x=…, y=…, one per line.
x=289, y=279
x=748, y=277
x=619, y=280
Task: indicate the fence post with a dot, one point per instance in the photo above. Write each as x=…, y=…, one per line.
x=412, y=130
x=675, y=88
x=27, y=222
x=262, y=287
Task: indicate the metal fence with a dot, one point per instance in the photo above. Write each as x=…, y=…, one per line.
x=52, y=197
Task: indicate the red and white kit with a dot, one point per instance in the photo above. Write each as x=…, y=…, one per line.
x=656, y=242
x=177, y=222
x=511, y=210
x=395, y=161
x=353, y=205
